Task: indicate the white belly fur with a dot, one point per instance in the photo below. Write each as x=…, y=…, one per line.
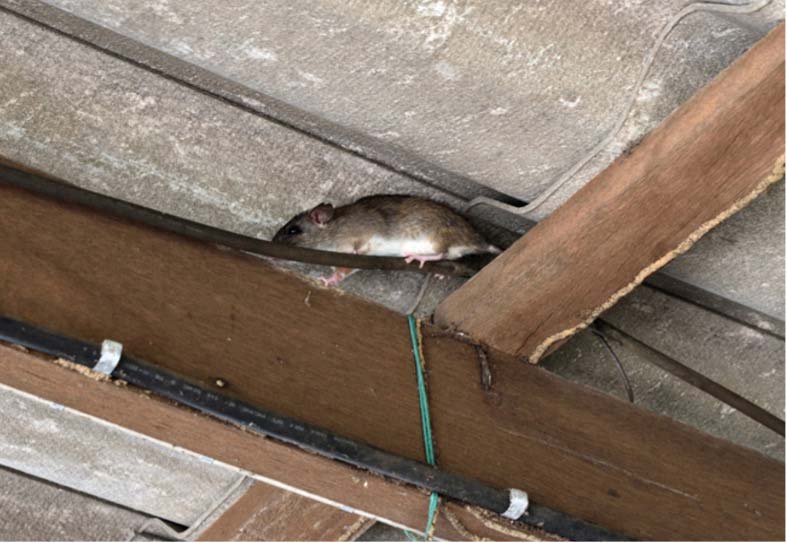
x=380, y=246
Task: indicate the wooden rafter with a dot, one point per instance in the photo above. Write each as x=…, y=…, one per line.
x=710, y=158
x=311, y=475
x=345, y=365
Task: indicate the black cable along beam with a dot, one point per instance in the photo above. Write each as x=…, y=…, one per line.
x=465, y=267
x=64, y=192
x=692, y=377
x=747, y=316
x=312, y=439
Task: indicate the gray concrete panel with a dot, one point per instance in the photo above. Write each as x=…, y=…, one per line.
x=510, y=95
x=97, y=121
x=36, y=510
x=743, y=258
x=740, y=358
x=79, y=452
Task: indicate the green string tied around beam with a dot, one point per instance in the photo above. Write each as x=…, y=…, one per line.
x=426, y=424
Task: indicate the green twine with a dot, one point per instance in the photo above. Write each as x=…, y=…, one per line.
x=426, y=424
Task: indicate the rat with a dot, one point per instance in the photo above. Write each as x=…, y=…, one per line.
x=414, y=228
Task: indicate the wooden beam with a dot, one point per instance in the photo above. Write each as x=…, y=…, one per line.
x=345, y=365
x=313, y=476
x=268, y=513
x=709, y=159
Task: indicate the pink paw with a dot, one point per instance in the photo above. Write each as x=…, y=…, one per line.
x=410, y=258
x=338, y=275
x=422, y=258
x=330, y=281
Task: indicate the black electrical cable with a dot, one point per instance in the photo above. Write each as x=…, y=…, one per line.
x=618, y=363
x=694, y=378
x=464, y=267
x=63, y=192
x=304, y=436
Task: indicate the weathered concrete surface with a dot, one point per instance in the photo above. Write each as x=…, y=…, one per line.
x=101, y=123
x=508, y=94
x=738, y=357
x=675, y=76
x=383, y=532
x=743, y=258
x=35, y=510
x=92, y=457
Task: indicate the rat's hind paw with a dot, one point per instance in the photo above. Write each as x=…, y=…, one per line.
x=423, y=258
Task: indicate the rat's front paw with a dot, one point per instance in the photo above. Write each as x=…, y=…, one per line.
x=331, y=281
x=336, y=278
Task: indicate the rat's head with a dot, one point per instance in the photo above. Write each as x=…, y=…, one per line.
x=305, y=229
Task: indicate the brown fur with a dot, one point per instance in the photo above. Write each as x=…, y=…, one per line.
x=391, y=217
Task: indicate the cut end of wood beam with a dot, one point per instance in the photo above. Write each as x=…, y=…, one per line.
x=774, y=176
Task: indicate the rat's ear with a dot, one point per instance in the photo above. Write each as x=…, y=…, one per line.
x=321, y=214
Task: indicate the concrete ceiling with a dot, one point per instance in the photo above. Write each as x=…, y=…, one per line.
x=511, y=95
x=473, y=94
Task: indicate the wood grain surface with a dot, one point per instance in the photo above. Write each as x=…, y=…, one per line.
x=312, y=475
x=706, y=161
x=345, y=365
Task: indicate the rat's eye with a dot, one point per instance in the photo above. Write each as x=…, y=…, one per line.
x=293, y=230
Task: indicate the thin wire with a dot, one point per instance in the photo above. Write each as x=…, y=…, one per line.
x=626, y=382
x=541, y=199
x=419, y=297
x=13, y=175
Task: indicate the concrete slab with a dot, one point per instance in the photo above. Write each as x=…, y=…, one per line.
x=743, y=258
x=674, y=77
x=738, y=357
x=99, y=122
x=92, y=457
x=36, y=510
x=383, y=532
x=508, y=95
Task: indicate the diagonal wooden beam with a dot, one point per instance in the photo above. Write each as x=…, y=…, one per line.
x=345, y=365
x=709, y=159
